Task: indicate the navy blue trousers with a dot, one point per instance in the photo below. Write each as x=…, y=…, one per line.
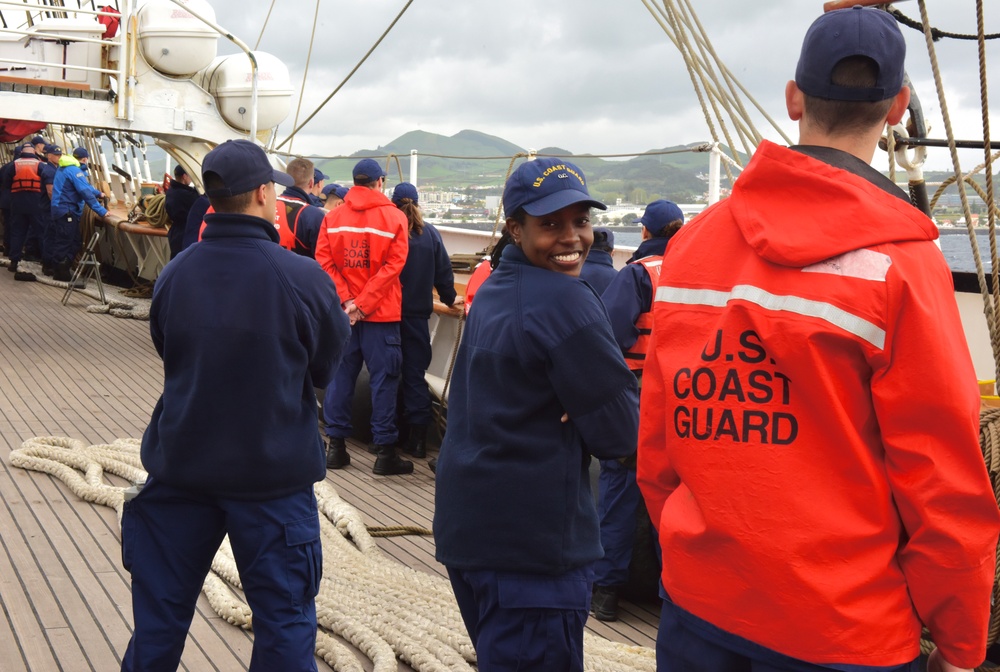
x=5, y=213
x=524, y=622
x=618, y=505
x=22, y=222
x=64, y=238
x=376, y=344
x=686, y=643
x=416, y=340
x=45, y=236
x=169, y=537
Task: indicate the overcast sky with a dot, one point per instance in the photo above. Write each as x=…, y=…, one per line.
x=590, y=76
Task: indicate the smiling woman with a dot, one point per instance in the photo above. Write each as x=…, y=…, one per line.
x=539, y=386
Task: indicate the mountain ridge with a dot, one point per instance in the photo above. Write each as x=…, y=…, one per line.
x=449, y=163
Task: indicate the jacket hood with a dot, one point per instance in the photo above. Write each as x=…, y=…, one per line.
x=845, y=211
x=68, y=160
x=363, y=198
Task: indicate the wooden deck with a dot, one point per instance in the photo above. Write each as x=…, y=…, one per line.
x=64, y=596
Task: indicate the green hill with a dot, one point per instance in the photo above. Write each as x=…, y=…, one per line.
x=677, y=175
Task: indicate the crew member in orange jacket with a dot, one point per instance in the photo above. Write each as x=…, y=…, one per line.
x=363, y=246
x=808, y=443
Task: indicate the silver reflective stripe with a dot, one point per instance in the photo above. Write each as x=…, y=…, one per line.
x=361, y=229
x=853, y=324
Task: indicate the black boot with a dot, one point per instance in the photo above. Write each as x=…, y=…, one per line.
x=604, y=603
x=416, y=442
x=62, y=272
x=388, y=463
x=337, y=456
x=13, y=267
x=48, y=268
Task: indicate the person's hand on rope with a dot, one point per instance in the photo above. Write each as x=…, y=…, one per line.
x=937, y=663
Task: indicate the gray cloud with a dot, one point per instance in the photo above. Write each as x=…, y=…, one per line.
x=596, y=76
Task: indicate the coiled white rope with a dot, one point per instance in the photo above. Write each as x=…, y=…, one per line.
x=382, y=608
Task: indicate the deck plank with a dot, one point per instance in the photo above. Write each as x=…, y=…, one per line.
x=65, y=601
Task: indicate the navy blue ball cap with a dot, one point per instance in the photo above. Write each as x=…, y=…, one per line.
x=659, y=214
x=241, y=166
x=318, y=175
x=842, y=33
x=342, y=192
x=367, y=170
x=81, y=153
x=404, y=190
x=543, y=186
x=604, y=237
x=52, y=149
x=38, y=140
x=330, y=188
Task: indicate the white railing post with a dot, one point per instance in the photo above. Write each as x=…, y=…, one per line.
x=714, y=174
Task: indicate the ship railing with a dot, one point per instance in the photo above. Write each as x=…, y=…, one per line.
x=37, y=13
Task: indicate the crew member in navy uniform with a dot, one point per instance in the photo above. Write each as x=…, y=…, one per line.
x=301, y=215
x=363, y=246
x=53, y=153
x=315, y=193
x=178, y=200
x=246, y=330
x=6, y=179
x=38, y=143
x=599, y=268
x=333, y=196
x=629, y=299
x=25, y=206
x=539, y=386
x=427, y=268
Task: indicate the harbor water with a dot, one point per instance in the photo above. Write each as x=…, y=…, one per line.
x=954, y=242
x=955, y=246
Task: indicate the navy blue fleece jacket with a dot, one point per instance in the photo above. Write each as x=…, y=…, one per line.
x=247, y=330
x=427, y=266
x=513, y=488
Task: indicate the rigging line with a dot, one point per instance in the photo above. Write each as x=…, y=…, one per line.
x=935, y=33
x=703, y=147
x=988, y=308
x=726, y=74
x=266, y=19
x=990, y=215
x=661, y=19
x=349, y=75
x=669, y=18
x=724, y=100
x=305, y=74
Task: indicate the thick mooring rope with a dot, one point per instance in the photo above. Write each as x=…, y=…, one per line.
x=382, y=608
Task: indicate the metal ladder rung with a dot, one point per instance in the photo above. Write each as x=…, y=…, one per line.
x=88, y=267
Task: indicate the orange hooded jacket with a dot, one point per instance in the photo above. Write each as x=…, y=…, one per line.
x=808, y=445
x=363, y=246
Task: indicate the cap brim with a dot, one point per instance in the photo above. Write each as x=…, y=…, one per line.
x=558, y=201
x=284, y=179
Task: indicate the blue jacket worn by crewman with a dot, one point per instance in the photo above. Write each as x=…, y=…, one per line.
x=427, y=266
x=70, y=190
x=598, y=270
x=631, y=293
x=513, y=488
x=237, y=321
